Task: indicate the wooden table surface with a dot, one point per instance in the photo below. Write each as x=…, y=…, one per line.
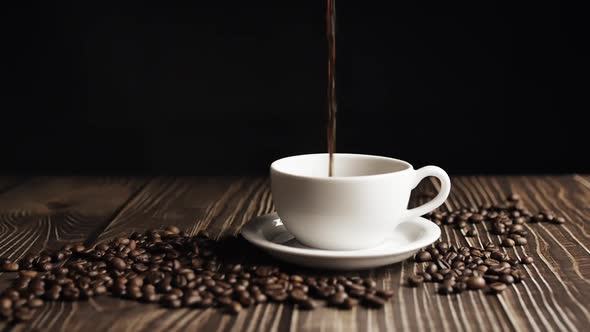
x=46, y=212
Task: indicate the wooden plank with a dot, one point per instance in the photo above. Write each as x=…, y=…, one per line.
x=48, y=212
x=551, y=299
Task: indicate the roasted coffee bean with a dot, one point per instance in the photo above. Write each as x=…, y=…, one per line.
x=337, y=299
x=437, y=277
x=507, y=279
x=514, y=198
x=527, y=260
x=233, y=308
x=497, y=287
x=308, y=304
x=277, y=296
x=423, y=256
x=369, y=283
x=298, y=295
x=373, y=301
x=260, y=298
x=171, y=302
x=118, y=264
x=461, y=224
x=349, y=303
x=471, y=233
x=520, y=241
x=445, y=289
x=35, y=303
x=263, y=271
x=70, y=293
x=507, y=242
x=173, y=229
x=459, y=287
x=27, y=274
x=426, y=276
x=498, y=256
x=10, y=266
x=431, y=268
x=385, y=294
x=5, y=303
x=415, y=281
x=476, y=282
x=558, y=220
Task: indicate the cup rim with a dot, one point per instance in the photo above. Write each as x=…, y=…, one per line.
x=274, y=168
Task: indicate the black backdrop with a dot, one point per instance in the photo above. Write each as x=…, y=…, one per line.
x=207, y=87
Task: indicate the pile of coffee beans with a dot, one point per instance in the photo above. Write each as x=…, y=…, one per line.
x=173, y=269
x=459, y=268
x=505, y=219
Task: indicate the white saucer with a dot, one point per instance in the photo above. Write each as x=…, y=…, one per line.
x=268, y=233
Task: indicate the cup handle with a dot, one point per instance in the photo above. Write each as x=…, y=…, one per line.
x=440, y=198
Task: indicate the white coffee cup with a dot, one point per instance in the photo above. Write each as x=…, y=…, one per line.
x=358, y=208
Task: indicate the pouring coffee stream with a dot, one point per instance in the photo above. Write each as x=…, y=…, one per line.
x=331, y=125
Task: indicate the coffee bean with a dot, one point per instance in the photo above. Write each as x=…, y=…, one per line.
x=445, y=289
x=507, y=279
x=171, y=302
x=431, y=268
x=415, y=281
x=308, y=304
x=497, y=287
x=373, y=301
x=35, y=303
x=527, y=260
x=118, y=264
x=9, y=266
x=471, y=233
x=337, y=299
x=263, y=271
x=5, y=303
x=260, y=298
x=461, y=224
x=423, y=256
x=507, y=242
x=298, y=295
x=54, y=293
x=385, y=294
x=173, y=229
x=70, y=293
x=476, y=282
x=277, y=296
x=369, y=283
x=234, y=308
x=27, y=274
x=514, y=198
x=426, y=276
x=437, y=277
x=558, y=220
x=459, y=287
x=521, y=241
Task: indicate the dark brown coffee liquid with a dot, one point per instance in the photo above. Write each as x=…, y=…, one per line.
x=331, y=34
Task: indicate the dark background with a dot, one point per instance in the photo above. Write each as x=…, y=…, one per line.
x=225, y=87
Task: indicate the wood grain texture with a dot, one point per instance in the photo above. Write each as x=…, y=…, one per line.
x=553, y=298
x=46, y=213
